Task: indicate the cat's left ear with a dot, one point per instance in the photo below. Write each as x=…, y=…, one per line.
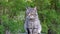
x=35, y=8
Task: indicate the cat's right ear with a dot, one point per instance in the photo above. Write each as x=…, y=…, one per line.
x=27, y=8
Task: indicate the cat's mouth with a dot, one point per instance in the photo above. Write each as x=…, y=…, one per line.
x=32, y=18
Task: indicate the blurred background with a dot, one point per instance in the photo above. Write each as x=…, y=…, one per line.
x=12, y=15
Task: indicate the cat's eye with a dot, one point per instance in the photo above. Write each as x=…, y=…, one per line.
x=29, y=14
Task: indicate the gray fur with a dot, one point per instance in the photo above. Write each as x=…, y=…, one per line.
x=32, y=22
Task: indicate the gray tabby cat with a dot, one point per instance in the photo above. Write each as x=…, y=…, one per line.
x=32, y=23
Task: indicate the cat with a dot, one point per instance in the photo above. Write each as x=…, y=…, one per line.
x=32, y=23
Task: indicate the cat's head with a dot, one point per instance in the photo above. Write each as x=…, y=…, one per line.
x=31, y=13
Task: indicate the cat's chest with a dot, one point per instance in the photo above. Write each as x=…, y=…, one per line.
x=32, y=22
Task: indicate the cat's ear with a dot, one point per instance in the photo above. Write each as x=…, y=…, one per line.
x=35, y=8
x=27, y=8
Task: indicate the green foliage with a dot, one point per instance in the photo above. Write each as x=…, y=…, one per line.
x=13, y=14
x=1, y=29
x=49, y=18
x=58, y=3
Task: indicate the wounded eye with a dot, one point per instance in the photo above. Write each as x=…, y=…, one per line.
x=29, y=14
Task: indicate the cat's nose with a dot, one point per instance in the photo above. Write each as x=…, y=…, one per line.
x=31, y=16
